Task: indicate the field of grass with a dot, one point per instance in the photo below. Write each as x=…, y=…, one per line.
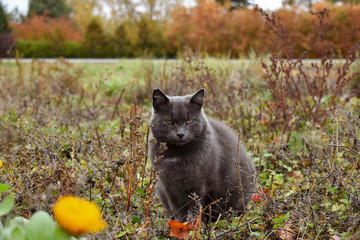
x=82, y=129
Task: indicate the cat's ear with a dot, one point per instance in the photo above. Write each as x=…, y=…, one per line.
x=198, y=98
x=159, y=98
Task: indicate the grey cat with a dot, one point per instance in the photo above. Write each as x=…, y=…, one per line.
x=199, y=158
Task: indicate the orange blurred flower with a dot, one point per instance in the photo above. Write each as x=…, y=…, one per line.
x=78, y=216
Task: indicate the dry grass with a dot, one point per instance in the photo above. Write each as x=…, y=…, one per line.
x=63, y=134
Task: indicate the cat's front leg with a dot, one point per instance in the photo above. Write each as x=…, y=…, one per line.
x=162, y=195
x=178, y=204
x=189, y=205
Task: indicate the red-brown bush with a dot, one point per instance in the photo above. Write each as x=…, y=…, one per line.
x=44, y=28
x=210, y=27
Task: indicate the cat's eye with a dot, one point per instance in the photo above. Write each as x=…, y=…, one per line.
x=169, y=122
x=190, y=121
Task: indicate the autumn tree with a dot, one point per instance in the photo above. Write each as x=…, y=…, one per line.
x=84, y=11
x=306, y=3
x=52, y=8
x=4, y=23
x=96, y=43
x=6, y=39
x=41, y=27
x=209, y=28
x=122, y=44
x=15, y=16
x=344, y=1
x=235, y=3
x=159, y=9
x=129, y=11
x=151, y=37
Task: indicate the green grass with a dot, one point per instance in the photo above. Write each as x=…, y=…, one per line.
x=81, y=129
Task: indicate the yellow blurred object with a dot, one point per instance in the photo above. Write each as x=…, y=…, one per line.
x=78, y=216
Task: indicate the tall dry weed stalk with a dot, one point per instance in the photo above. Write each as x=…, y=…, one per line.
x=303, y=93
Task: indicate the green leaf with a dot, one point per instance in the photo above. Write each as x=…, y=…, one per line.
x=60, y=234
x=136, y=219
x=3, y=187
x=1, y=231
x=287, y=216
x=18, y=221
x=278, y=178
x=268, y=155
x=121, y=234
x=338, y=207
x=282, y=219
x=16, y=233
x=15, y=229
x=221, y=224
x=7, y=205
x=289, y=193
x=140, y=191
x=257, y=234
x=40, y=227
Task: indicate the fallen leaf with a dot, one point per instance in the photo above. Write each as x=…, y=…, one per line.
x=270, y=105
x=286, y=233
x=291, y=174
x=264, y=193
x=335, y=237
x=256, y=197
x=179, y=230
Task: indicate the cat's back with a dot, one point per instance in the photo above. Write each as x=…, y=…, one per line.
x=223, y=133
x=228, y=146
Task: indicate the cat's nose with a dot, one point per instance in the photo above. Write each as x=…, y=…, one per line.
x=180, y=135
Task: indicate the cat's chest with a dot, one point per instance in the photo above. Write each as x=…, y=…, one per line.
x=178, y=170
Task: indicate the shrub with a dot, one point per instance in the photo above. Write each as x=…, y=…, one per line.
x=4, y=23
x=298, y=96
x=208, y=27
x=150, y=37
x=32, y=48
x=41, y=27
x=46, y=49
x=96, y=43
x=6, y=40
x=52, y=8
x=211, y=28
x=72, y=50
x=7, y=44
x=121, y=42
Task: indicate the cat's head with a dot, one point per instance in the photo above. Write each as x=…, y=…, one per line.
x=178, y=120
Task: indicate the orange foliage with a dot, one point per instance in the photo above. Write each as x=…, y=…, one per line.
x=181, y=230
x=43, y=28
x=210, y=27
x=344, y=26
x=263, y=194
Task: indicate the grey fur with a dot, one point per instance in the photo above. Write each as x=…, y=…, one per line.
x=200, y=158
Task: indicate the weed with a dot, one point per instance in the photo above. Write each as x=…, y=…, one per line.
x=61, y=134
x=297, y=96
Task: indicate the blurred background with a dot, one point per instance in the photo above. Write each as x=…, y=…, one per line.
x=163, y=28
